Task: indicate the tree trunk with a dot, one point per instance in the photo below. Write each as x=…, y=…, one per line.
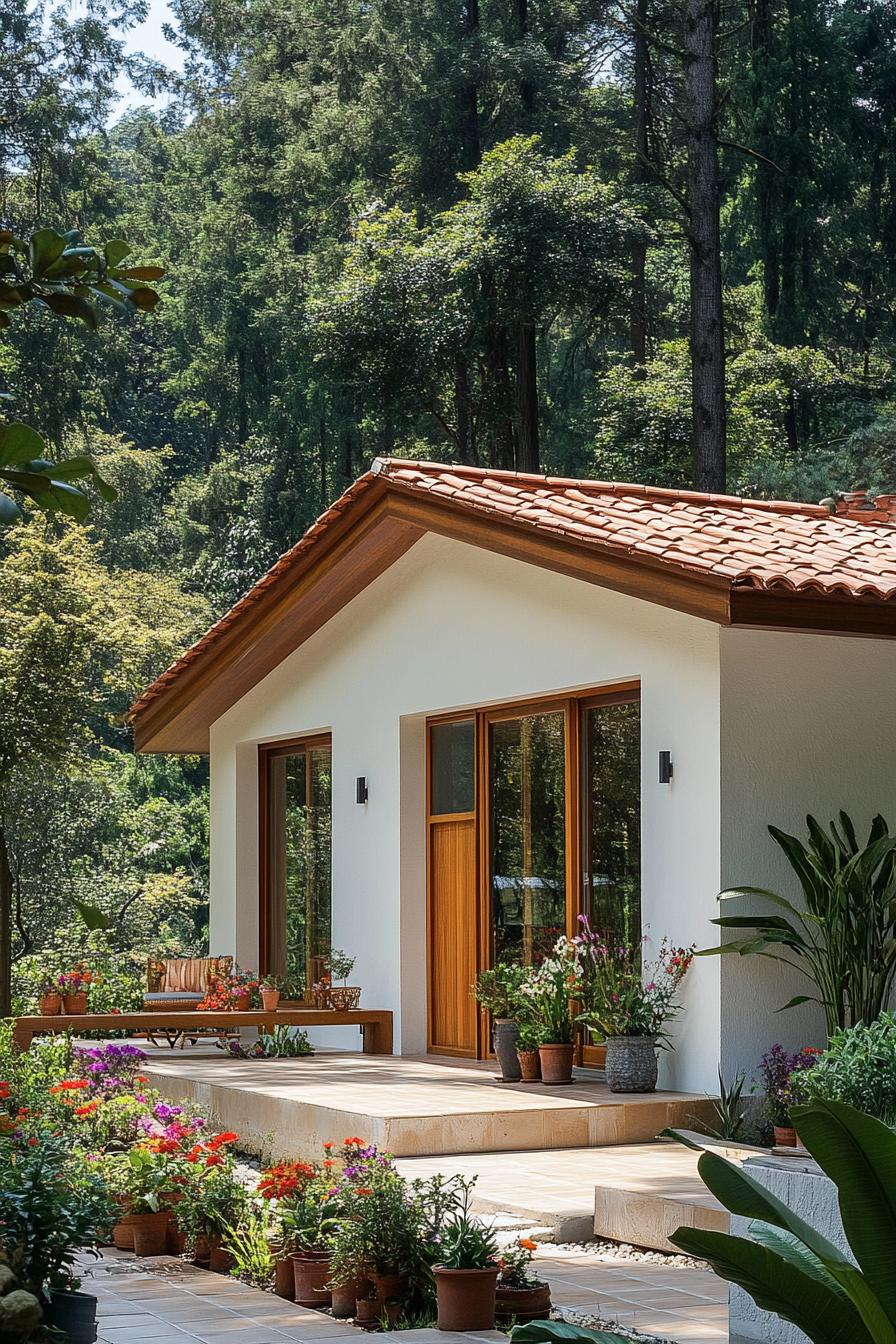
x=5, y=928
x=707, y=327
x=638, y=315
x=496, y=392
x=767, y=188
x=471, y=147
x=527, y=92
x=466, y=448
x=527, y=453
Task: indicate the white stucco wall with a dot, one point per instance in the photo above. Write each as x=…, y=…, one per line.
x=450, y=626
x=808, y=725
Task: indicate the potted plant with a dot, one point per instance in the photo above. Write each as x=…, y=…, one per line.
x=320, y=991
x=270, y=987
x=467, y=1273
x=343, y=997
x=53, y=1205
x=74, y=986
x=308, y=1219
x=550, y=988
x=498, y=992
x=49, y=996
x=780, y=1071
x=147, y=1182
x=629, y=1004
x=521, y=1296
x=242, y=985
x=529, y=1038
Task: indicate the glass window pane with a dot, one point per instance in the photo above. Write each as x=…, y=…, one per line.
x=528, y=835
x=452, y=749
x=613, y=820
x=299, y=897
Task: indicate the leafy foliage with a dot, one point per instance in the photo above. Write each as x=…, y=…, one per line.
x=844, y=939
x=858, y=1068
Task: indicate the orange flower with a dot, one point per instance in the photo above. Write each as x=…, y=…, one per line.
x=528, y=1244
x=363, y=1190
x=69, y=1085
x=88, y=1109
x=353, y=1143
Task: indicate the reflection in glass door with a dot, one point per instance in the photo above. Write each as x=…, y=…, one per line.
x=611, y=822
x=527, y=841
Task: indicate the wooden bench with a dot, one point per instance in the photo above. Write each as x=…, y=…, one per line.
x=375, y=1024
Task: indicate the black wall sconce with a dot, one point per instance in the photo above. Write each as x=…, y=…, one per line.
x=665, y=767
x=361, y=789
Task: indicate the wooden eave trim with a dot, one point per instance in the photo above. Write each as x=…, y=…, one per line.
x=635, y=575
x=336, y=564
x=774, y=609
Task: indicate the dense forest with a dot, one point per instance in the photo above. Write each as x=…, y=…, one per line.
x=650, y=241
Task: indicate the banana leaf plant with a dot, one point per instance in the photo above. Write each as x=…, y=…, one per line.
x=843, y=937
x=59, y=272
x=787, y=1266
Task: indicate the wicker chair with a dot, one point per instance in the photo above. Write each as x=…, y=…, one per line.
x=181, y=982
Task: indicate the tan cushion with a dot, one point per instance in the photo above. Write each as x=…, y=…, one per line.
x=185, y=975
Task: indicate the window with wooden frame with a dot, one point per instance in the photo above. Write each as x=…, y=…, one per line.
x=533, y=818
x=295, y=826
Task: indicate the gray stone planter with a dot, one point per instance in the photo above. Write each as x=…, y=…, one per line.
x=505, y=1034
x=631, y=1063
x=800, y=1184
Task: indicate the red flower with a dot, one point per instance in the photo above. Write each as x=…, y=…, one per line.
x=214, y=1160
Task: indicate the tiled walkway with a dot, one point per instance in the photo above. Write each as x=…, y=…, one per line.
x=164, y=1301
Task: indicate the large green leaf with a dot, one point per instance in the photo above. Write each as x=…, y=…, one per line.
x=777, y=1285
x=859, y=1154
x=44, y=248
x=546, y=1332
x=19, y=443
x=70, y=305
x=79, y=468
x=116, y=250
x=854, y=1285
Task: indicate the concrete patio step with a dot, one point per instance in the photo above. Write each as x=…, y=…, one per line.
x=636, y=1193
x=411, y=1106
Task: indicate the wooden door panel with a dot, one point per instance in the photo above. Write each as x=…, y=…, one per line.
x=452, y=937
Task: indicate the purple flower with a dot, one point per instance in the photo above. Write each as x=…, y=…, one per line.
x=162, y=1111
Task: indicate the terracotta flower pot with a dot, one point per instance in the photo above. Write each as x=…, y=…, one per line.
x=269, y=1000
x=219, y=1261
x=75, y=1003
x=785, y=1136
x=556, y=1064
x=312, y=1274
x=386, y=1287
x=530, y=1066
x=522, y=1304
x=284, y=1278
x=175, y=1240
x=201, y=1251
x=242, y=1003
x=466, y=1298
x=344, y=1297
x=150, y=1232
x=50, y=1005
x=368, y=1311
x=123, y=1232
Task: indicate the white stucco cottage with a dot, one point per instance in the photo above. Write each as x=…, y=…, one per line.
x=437, y=730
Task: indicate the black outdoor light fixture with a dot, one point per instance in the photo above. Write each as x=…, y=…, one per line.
x=361, y=789
x=665, y=767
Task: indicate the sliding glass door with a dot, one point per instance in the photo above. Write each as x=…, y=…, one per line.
x=611, y=818
x=295, y=796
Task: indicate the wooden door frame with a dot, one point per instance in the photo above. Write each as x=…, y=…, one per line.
x=572, y=705
x=268, y=751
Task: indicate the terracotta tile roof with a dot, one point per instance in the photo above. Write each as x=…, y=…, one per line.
x=758, y=544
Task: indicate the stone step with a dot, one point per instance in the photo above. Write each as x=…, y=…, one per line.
x=410, y=1106
x=635, y=1193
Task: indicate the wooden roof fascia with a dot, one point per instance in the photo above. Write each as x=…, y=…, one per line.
x=809, y=613
x=342, y=565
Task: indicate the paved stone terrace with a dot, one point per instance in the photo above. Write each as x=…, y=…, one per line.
x=165, y=1301
x=411, y=1106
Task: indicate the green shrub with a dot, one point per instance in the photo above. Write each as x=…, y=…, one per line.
x=859, y=1069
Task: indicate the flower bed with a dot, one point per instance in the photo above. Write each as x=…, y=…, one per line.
x=90, y=1154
